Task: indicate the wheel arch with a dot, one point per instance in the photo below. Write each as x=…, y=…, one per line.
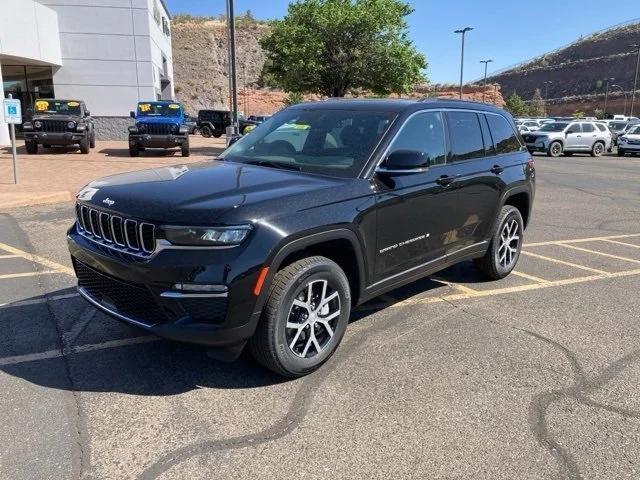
x=340, y=245
x=520, y=198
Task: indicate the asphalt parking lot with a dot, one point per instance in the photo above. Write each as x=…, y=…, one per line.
x=534, y=376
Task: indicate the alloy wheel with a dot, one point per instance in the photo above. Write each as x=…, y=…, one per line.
x=509, y=243
x=312, y=318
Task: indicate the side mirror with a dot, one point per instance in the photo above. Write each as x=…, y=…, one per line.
x=570, y=131
x=405, y=161
x=132, y=114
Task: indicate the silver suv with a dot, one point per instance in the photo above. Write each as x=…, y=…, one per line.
x=557, y=138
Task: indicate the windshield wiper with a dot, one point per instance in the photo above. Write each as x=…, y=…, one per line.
x=267, y=163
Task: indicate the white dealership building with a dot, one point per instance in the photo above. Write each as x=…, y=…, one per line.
x=109, y=53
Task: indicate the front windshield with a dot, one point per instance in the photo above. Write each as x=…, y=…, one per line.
x=151, y=109
x=553, y=127
x=64, y=107
x=618, y=125
x=635, y=130
x=325, y=141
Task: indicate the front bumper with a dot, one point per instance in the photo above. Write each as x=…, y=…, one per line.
x=51, y=138
x=157, y=141
x=140, y=293
x=629, y=147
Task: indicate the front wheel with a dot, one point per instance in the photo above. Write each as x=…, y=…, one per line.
x=31, y=146
x=133, y=151
x=621, y=153
x=555, y=149
x=84, y=145
x=598, y=149
x=206, y=131
x=304, y=319
x=92, y=142
x=506, y=244
x=185, y=149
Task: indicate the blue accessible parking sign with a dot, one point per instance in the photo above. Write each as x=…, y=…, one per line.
x=12, y=111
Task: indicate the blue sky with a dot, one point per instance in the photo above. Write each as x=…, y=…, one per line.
x=507, y=31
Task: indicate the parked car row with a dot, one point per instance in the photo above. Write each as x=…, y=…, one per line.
x=158, y=124
x=568, y=137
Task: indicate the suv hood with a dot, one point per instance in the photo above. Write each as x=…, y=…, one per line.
x=57, y=116
x=202, y=193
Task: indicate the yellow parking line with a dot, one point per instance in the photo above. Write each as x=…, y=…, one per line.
x=621, y=243
x=37, y=259
x=27, y=274
x=533, y=278
x=562, y=262
x=520, y=288
x=457, y=286
x=602, y=254
x=581, y=240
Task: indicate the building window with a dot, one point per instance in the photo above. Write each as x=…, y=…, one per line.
x=165, y=27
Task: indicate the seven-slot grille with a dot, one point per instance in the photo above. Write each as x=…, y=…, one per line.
x=54, y=126
x=123, y=234
x=158, y=128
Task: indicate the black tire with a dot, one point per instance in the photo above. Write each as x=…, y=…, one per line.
x=621, y=153
x=31, y=146
x=84, y=145
x=217, y=135
x=568, y=154
x=134, y=151
x=598, y=149
x=491, y=264
x=206, y=131
x=270, y=345
x=46, y=146
x=92, y=142
x=185, y=149
x=555, y=149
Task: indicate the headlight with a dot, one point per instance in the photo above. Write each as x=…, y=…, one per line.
x=27, y=126
x=204, y=236
x=622, y=139
x=141, y=127
x=183, y=130
x=71, y=125
x=37, y=124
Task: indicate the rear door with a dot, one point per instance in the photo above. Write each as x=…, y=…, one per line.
x=573, y=138
x=589, y=135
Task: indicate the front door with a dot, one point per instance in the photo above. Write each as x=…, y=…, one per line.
x=415, y=208
x=573, y=137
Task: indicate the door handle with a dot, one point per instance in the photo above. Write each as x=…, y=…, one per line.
x=444, y=180
x=497, y=169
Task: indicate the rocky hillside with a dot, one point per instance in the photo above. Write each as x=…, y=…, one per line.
x=578, y=72
x=200, y=68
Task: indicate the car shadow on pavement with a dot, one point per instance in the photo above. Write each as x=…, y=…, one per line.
x=157, y=152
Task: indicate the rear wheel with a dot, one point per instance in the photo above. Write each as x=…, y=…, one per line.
x=84, y=145
x=304, y=319
x=92, y=142
x=46, y=146
x=506, y=244
x=217, y=135
x=31, y=146
x=206, y=131
x=598, y=149
x=555, y=149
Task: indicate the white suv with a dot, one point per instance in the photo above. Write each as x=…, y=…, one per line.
x=557, y=138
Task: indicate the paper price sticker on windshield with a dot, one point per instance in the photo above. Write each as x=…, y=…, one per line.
x=145, y=107
x=41, y=106
x=174, y=106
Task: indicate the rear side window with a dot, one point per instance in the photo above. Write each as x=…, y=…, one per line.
x=466, y=136
x=588, y=128
x=504, y=137
x=486, y=135
x=574, y=128
x=423, y=132
x=601, y=127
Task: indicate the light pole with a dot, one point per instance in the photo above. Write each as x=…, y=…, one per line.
x=546, y=95
x=606, y=96
x=625, y=98
x=635, y=81
x=231, y=25
x=484, y=88
x=462, y=31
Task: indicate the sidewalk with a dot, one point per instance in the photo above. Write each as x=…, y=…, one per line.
x=55, y=175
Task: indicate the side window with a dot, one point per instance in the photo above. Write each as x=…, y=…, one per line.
x=489, y=148
x=574, y=128
x=466, y=136
x=504, y=137
x=601, y=127
x=423, y=132
x=588, y=128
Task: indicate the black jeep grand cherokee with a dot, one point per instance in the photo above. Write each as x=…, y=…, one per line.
x=324, y=206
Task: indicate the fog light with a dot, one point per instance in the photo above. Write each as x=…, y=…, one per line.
x=200, y=287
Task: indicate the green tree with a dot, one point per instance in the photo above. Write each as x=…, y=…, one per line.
x=330, y=47
x=598, y=113
x=516, y=105
x=292, y=98
x=578, y=114
x=537, y=106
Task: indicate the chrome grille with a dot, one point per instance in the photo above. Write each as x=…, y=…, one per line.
x=123, y=234
x=54, y=126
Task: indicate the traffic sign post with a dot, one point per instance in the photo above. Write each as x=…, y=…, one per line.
x=13, y=116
